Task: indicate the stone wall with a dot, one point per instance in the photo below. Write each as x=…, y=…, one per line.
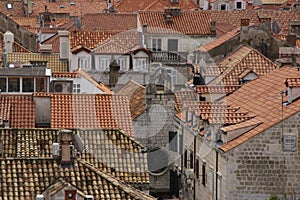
x=260, y=168
x=21, y=35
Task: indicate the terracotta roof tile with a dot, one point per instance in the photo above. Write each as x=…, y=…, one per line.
x=292, y=82
x=79, y=9
x=261, y=97
x=150, y=5
x=216, y=89
x=81, y=38
x=30, y=177
x=243, y=59
x=91, y=111
x=188, y=23
x=15, y=11
x=120, y=43
x=220, y=40
x=19, y=111
x=108, y=22
x=109, y=150
x=233, y=18
x=184, y=96
x=53, y=60
x=137, y=97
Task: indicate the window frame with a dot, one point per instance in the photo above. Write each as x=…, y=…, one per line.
x=104, y=63
x=156, y=44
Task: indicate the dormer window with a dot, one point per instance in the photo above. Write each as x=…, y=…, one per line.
x=9, y=5
x=223, y=6
x=239, y=5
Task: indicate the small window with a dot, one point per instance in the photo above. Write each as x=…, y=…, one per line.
x=41, y=85
x=3, y=84
x=238, y=5
x=173, y=141
x=104, y=64
x=83, y=63
x=122, y=63
x=141, y=64
x=156, y=44
x=13, y=85
x=191, y=160
x=222, y=6
x=76, y=88
x=27, y=85
x=9, y=5
x=203, y=174
x=185, y=159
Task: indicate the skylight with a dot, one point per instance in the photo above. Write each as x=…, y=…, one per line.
x=9, y=5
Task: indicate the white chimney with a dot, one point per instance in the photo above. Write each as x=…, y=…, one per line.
x=64, y=45
x=8, y=41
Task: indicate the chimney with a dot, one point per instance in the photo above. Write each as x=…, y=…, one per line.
x=114, y=68
x=45, y=48
x=245, y=22
x=293, y=89
x=295, y=25
x=64, y=45
x=8, y=41
x=67, y=148
x=213, y=26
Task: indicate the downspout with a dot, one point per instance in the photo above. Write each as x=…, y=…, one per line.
x=217, y=165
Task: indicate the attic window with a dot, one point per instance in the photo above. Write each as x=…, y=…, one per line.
x=9, y=5
x=61, y=6
x=72, y=3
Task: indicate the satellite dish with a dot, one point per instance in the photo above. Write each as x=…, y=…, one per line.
x=275, y=27
x=78, y=143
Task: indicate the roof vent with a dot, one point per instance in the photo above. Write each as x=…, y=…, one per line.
x=61, y=6
x=72, y=3
x=39, y=197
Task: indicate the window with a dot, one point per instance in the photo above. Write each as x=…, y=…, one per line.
x=83, y=63
x=222, y=6
x=240, y=5
x=76, y=88
x=289, y=142
x=185, y=159
x=41, y=85
x=203, y=174
x=122, y=63
x=197, y=168
x=104, y=64
x=191, y=160
x=9, y=5
x=156, y=44
x=3, y=84
x=141, y=64
x=173, y=141
x=13, y=85
x=27, y=85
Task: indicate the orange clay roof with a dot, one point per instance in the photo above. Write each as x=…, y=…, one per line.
x=137, y=97
x=216, y=89
x=261, y=97
x=152, y=5
x=220, y=40
x=188, y=23
x=245, y=58
x=109, y=150
x=18, y=110
x=91, y=111
x=79, y=9
x=16, y=11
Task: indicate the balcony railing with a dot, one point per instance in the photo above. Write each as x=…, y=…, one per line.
x=166, y=56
